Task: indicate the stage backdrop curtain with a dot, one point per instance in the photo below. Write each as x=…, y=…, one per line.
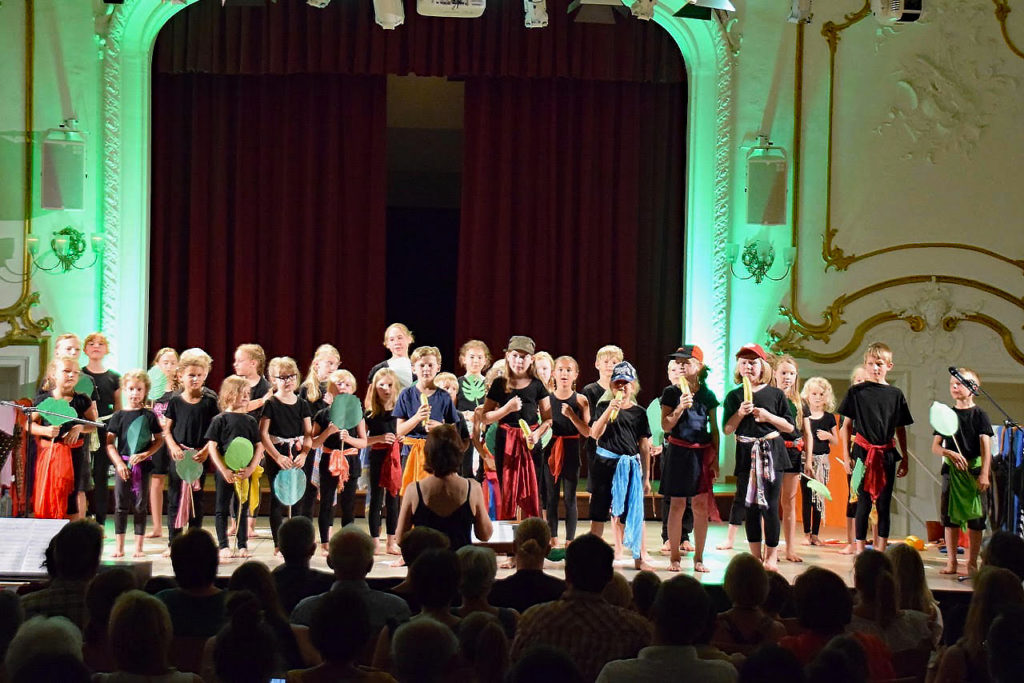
x=268, y=215
x=572, y=218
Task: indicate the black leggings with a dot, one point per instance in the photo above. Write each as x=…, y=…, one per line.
x=769, y=515
x=226, y=499
x=125, y=502
x=174, y=502
x=346, y=497
x=380, y=498
x=100, y=480
x=881, y=505
x=569, y=479
x=811, y=513
x=738, y=512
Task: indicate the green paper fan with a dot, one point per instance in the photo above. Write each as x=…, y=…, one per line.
x=239, y=454
x=157, y=383
x=346, y=412
x=85, y=385
x=63, y=409
x=187, y=468
x=654, y=422
x=818, y=487
x=139, y=436
x=473, y=388
x=856, y=477
x=290, y=486
x=491, y=437
x=943, y=419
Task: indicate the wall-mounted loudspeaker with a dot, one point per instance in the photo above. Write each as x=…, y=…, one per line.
x=766, y=186
x=63, y=172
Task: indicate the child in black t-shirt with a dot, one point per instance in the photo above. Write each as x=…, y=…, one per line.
x=107, y=395
x=570, y=421
x=167, y=360
x=786, y=377
x=880, y=415
x=606, y=358
x=820, y=434
x=385, y=458
x=249, y=362
x=474, y=356
x=969, y=451
x=132, y=460
x=858, y=375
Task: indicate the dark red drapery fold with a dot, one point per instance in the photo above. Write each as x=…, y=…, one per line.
x=268, y=196
x=572, y=218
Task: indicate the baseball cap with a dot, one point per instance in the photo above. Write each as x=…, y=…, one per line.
x=521, y=343
x=687, y=351
x=752, y=351
x=623, y=371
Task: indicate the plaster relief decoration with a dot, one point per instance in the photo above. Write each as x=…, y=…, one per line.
x=933, y=306
x=723, y=144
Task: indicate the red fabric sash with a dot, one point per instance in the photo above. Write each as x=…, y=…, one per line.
x=55, y=478
x=706, y=485
x=557, y=457
x=519, y=479
x=798, y=444
x=338, y=464
x=874, y=468
x=391, y=468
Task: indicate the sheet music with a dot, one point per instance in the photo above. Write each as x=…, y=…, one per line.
x=23, y=544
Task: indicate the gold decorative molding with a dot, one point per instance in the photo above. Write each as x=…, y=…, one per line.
x=1002, y=12
x=950, y=324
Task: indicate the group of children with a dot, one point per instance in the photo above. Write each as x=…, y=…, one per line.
x=528, y=433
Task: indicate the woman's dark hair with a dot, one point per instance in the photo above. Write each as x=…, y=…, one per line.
x=874, y=581
x=246, y=649
x=823, y=602
x=483, y=644
x=1005, y=550
x=645, y=588
x=100, y=596
x=544, y=664
x=443, y=451
x=841, y=661
x=254, y=577
x=780, y=596
x=435, y=578
x=340, y=626
x=772, y=664
x=194, y=559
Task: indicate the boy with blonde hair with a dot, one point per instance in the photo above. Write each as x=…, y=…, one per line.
x=606, y=358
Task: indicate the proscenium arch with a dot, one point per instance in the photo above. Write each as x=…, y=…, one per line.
x=126, y=192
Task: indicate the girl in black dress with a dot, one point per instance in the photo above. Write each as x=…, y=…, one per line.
x=820, y=433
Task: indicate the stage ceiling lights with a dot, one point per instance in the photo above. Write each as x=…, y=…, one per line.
x=535, y=13
x=596, y=11
x=704, y=9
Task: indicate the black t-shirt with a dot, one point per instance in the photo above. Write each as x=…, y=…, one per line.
x=191, y=420
x=624, y=434
x=256, y=391
x=767, y=397
x=378, y=425
x=974, y=422
x=693, y=423
x=226, y=427
x=593, y=392
x=286, y=421
x=121, y=421
x=826, y=422
x=317, y=405
x=531, y=395
x=470, y=395
x=323, y=420
x=877, y=411
x=80, y=402
x=798, y=424
x=560, y=424
x=107, y=383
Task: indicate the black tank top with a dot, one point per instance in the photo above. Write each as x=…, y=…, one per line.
x=455, y=526
x=560, y=424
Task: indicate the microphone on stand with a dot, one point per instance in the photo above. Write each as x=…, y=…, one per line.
x=971, y=385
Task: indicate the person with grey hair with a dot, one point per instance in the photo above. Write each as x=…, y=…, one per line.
x=478, y=568
x=76, y=558
x=350, y=555
x=39, y=638
x=424, y=651
x=295, y=579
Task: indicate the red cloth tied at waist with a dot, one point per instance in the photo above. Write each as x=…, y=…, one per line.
x=874, y=467
x=391, y=469
x=798, y=444
x=338, y=464
x=519, y=479
x=557, y=457
x=55, y=478
x=705, y=485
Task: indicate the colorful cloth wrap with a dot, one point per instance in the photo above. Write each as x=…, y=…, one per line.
x=820, y=470
x=797, y=444
x=414, y=462
x=706, y=485
x=874, y=467
x=628, y=497
x=248, y=490
x=964, y=497
x=185, y=503
x=136, y=473
x=762, y=467
x=391, y=469
x=519, y=478
x=338, y=464
x=55, y=478
x=557, y=457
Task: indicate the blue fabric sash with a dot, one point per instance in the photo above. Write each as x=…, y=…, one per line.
x=628, y=497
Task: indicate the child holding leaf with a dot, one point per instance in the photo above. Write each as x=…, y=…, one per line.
x=474, y=356
x=969, y=451
x=820, y=434
x=107, y=394
x=132, y=437
x=385, y=457
x=163, y=377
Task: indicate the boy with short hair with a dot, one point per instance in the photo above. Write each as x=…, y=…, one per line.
x=880, y=415
x=606, y=358
x=969, y=451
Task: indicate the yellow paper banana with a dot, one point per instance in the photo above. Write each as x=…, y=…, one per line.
x=684, y=387
x=526, y=429
x=615, y=413
x=424, y=402
x=748, y=391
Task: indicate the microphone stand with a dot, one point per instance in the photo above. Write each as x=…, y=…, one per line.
x=1010, y=524
x=29, y=410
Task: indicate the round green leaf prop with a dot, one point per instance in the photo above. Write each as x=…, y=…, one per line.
x=654, y=422
x=290, y=486
x=64, y=411
x=818, y=487
x=346, y=412
x=943, y=419
x=239, y=454
x=139, y=436
x=187, y=468
x=85, y=385
x=157, y=383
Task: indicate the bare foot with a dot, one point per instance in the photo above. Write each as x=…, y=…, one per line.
x=117, y=553
x=971, y=570
x=848, y=549
x=393, y=549
x=138, y=553
x=225, y=554
x=643, y=565
x=378, y=549
x=666, y=547
x=155, y=533
x=673, y=566
x=243, y=552
x=700, y=567
x=771, y=565
x=949, y=569
x=277, y=551
x=814, y=540
x=793, y=557
x=254, y=533
x=166, y=553
x=232, y=529
x=687, y=547
x=724, y=546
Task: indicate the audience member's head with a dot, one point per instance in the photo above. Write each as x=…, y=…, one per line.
x=1005, y=550
x=296, y=540
x=645, y=588
x=443, y=451
x=140, y=634
x=908, y=569
x=478, y=568
x=588, y=563
x=11, y=616
x=100, y=596
x=618, y=592
x=254, y=577
x=994, y=589
x=532, y=543
x=419, y=540
x=779, y=602
x=843, y=660
x=772, y=664
x=544, y=664
x=875, y=584
x=746, y=581
x=350, y=554
x=340, y=626
x=62, y=668
x=246, y=649
x=483, y=644
x=76, y=550
x=1006, y=645
x=823, y=602
x=155, y=584
x=42, y=638
x=680, y=611
x=423, y=650
x=434, y=578
x=194, y=559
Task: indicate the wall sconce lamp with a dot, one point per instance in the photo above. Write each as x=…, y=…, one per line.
x=67, y=247
x=758, y=257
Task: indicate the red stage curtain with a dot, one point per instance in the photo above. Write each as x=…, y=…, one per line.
x=572, y=218
x=288, y=36
x=268, y=215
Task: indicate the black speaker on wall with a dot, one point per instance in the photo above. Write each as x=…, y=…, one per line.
x=767, y=175
x=63, y=173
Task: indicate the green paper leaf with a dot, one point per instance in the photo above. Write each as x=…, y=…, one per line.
x=157, y=383
x=60, y=406
x=545, y=439
x=491, y=437
x=346, y=411
x=290, y=486
x=474, y=389
x=857, y=477
x=943, y=419
x=818, y=487
x=187, y=468
x=85, y=385
x=654, y=422
x=239, y=454
x=139, y=436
